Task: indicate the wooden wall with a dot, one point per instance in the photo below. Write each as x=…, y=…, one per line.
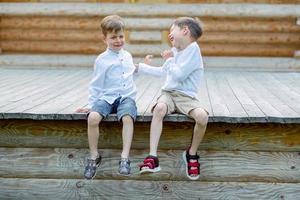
x=167, y=1
x=81, y=35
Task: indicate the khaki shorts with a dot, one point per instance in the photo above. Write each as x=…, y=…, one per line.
x=178, y=102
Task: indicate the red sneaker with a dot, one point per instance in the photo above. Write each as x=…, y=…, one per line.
x=150, y=165
x=194, y=173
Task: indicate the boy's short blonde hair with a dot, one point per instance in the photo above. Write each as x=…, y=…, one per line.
x=112, y=24
x=194, y=26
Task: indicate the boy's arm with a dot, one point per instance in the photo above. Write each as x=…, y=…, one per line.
x=95, y=86
x=180, y=71
x=151, y=70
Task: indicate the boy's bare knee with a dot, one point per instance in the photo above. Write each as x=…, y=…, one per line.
x=126, y=119
x=200, y=116
x=160, y=110
x=94, y=119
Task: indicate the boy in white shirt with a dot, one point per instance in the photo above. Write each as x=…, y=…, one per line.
x=183, y=69
x=111, y=90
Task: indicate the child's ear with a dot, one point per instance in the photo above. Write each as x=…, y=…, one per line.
x=185, y=30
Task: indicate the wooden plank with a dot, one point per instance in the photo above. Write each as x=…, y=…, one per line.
x=33, y=61
x=86, y=9
x=219, y=49
x=52, y=47
x=282, y=92
x=32, y=96
x=158, y=23
x=229, y=98
x=63, y=100
x=15, y=92
x=168, y=1
x=146, y=36
x=251, y=102
x=150, y=92
x=219, y=108
x=51, y=35
x=216, y=166
x=250, y=38
x=203, y=95
x=219, y=136
x=264, y=93
x=130, y=189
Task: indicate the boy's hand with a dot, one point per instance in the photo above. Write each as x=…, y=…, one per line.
x=82, y=110
x=167, y=54
x=148, y=59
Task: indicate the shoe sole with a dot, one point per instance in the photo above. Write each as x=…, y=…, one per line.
x=186, y=168
x=147, y=170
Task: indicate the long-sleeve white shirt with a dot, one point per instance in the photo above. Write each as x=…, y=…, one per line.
x=112, y=77
x=183, y=72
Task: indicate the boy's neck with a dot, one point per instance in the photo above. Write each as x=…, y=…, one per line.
x=114, y=51
x=185, y=44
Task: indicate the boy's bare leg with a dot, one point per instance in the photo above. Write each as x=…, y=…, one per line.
x=127, y=134
x=201, y=118
x=94, y=119
x=159, y=112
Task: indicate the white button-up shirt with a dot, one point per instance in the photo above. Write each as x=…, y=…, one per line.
x=112, y=77
x=183, y=72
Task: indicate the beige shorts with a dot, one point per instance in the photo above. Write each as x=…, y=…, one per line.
x=178, y=102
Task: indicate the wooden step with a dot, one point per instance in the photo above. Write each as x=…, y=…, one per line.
x=132, y=189
x=176, y=135
x=216, y=166
x=149, y=10
x=210, y=62
x=164, y=1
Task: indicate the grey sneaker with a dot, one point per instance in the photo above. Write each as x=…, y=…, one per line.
x=91, y=167
x=124, y=166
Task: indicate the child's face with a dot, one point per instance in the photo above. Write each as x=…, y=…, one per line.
x=115, y=41
x=176, y=35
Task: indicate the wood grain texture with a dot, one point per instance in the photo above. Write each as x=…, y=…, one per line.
x=215, y=24
x=128, y=189
x=224, y=166
x=219, y=136
x=149, y=10
x=166, y=1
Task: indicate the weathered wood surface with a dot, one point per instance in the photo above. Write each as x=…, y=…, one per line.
x=215, y=24
x=87, y=9
x=210, y=62
x=81, y=35
x=231, y=96
x=223, y=166
x=165, y=1
x=219, y=136
x=131, y=189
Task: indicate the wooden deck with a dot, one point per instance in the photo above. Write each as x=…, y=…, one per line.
x=229, y=96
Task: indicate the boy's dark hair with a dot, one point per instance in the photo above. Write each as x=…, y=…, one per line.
x=112, y=24
x=194, y=26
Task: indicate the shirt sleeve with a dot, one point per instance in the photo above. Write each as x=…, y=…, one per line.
x=96, y=84
x=180, y=71
x=151, y=70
